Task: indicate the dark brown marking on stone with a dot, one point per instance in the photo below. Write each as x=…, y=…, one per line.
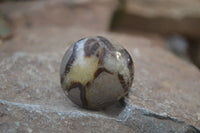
x=69, y=63
x=83, y=97
x=82, y=92
x=130, y=65
x=90, y=47
x=101, y=55
x=122, y=81
x=94, y=48
x=106, y=42
x=74, y=85
x=87, y=84
x=98, y=54
x=90, y=41
x=99, y=71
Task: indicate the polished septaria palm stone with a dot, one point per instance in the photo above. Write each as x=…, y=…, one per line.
x=96, y=73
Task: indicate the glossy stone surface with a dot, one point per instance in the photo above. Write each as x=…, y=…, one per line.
x=96, y=73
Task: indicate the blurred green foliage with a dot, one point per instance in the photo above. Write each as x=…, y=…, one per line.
x=118, y=14
x=5, y=30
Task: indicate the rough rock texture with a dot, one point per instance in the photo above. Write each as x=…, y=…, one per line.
x=91, y=14
x=164, y=94
x=166, y=17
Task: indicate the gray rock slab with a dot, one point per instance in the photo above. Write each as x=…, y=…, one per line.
x=163, y=98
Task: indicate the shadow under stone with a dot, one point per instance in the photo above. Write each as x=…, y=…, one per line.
x=115, y=109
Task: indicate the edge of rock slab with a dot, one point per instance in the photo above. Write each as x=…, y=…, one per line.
x=135, y=118
x=173, y=8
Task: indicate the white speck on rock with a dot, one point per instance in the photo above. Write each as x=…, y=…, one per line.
x=50, y=68
x=164, y=114
x=30, y=130
x=125, y=114
x=198, y=116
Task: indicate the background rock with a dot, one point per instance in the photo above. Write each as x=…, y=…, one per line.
x=89, y=14
x=158, y=16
